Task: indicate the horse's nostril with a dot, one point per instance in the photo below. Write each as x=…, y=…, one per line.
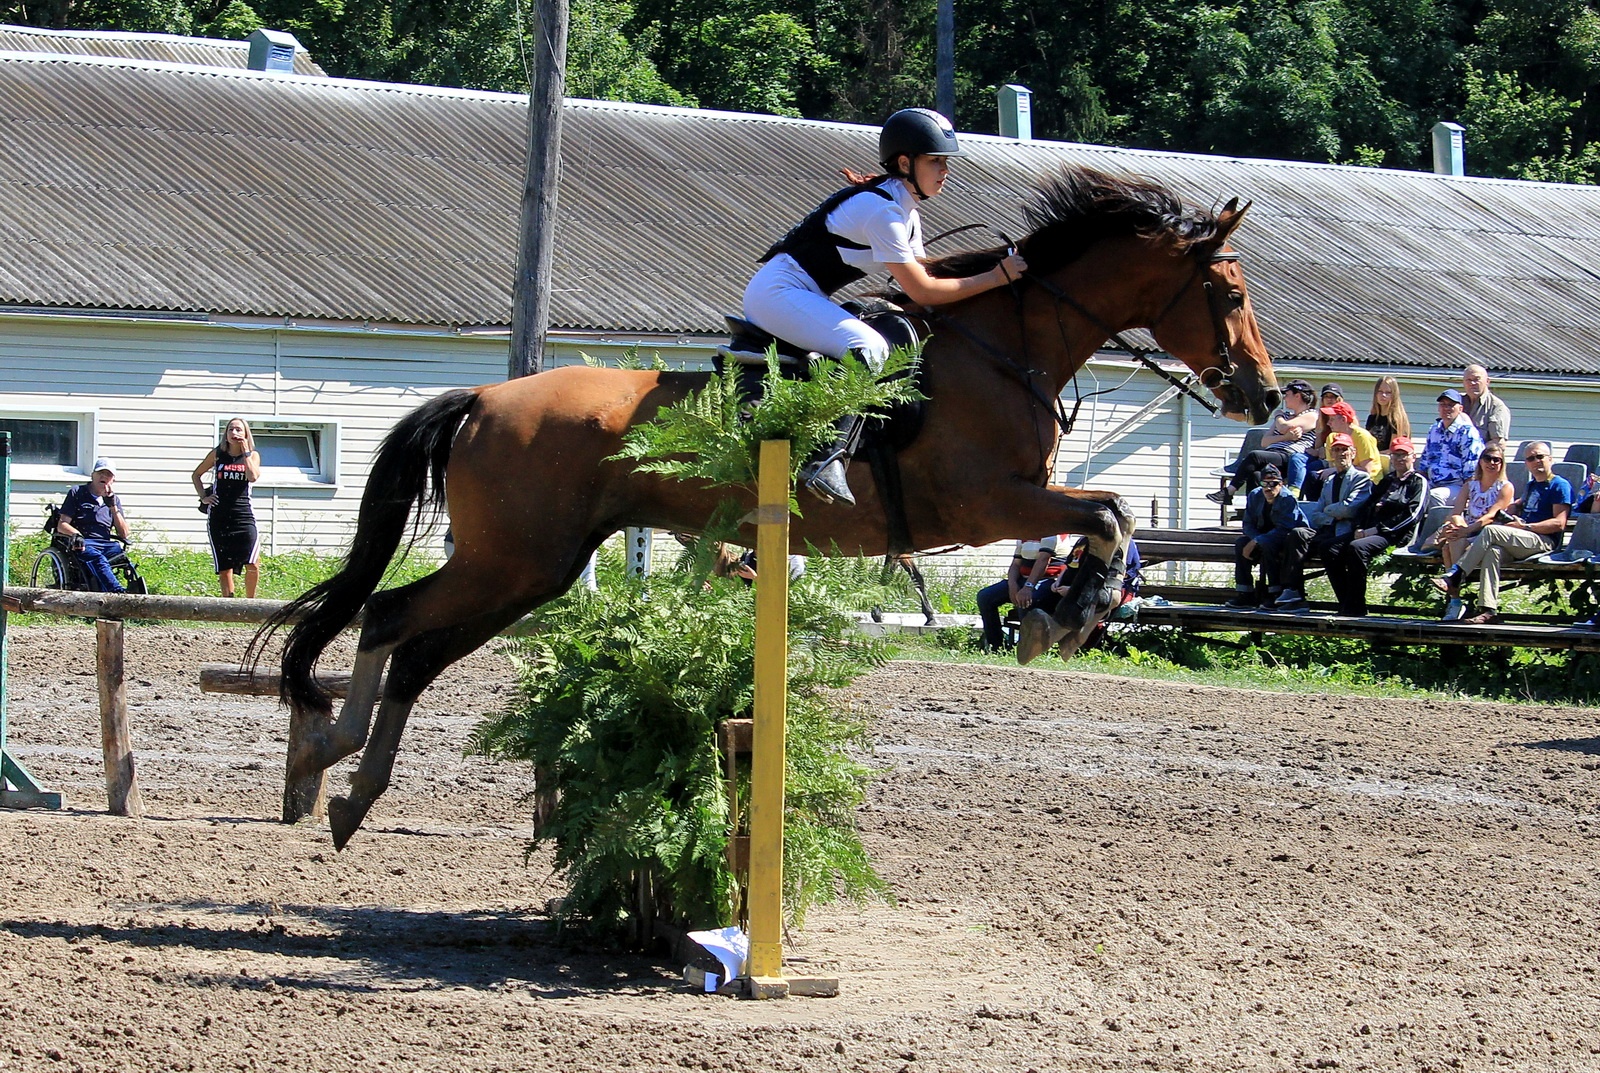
x=1273, y=398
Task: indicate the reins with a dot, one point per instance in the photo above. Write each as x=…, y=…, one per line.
x=1025, y=371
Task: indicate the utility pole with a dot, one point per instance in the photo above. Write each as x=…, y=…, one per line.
x=530, y=297
x=945, y=59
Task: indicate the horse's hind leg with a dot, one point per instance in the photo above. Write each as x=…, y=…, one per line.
x=332, y=742
x=414, y=666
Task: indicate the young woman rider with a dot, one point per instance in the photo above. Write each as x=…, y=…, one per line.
x=870, y=226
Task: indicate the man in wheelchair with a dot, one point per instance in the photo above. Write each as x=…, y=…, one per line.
x=92, y=526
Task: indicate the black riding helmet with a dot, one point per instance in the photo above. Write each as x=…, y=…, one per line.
x=916, y=132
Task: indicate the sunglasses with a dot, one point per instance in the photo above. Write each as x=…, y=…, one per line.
x=1495, y=461
x=1272, y=484
x=1534, y=458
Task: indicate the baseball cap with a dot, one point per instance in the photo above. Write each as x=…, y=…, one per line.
x=1341, y=409
x=1450, y=393
x=1332, y=389
x=1341, y=439
x=104, y=464
x=1271, y=473
x=1299, y=387
x=1403, y=444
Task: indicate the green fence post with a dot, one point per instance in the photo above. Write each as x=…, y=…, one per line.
x=17, y=788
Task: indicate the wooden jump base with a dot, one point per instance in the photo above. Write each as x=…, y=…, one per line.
x=302, y=798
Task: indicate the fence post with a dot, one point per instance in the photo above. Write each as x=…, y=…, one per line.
x=116, y=738
x=17, y=788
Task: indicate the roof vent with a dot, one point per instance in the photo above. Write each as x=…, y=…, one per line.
x=272, y=50
x=1016, y=112
x=1449, y=149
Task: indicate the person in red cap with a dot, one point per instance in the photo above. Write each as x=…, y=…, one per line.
x=1340, y=417
x=1333, y=520
x=1388, y=519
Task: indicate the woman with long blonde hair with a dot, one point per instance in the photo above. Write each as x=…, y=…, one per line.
x=1387, y=417
x=234, y=465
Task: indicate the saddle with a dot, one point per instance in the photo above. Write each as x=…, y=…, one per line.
x=748, y=344
x=883, y=437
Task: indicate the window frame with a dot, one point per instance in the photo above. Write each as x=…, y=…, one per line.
x=326, y=447
x=88, y=423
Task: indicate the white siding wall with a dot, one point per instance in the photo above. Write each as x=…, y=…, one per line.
x=156, y=390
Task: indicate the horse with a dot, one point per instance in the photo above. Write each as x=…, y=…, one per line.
x=527, y=467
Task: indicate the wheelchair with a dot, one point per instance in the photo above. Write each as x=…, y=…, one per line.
x=57, y=568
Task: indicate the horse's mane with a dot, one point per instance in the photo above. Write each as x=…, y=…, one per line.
x=1079, y=206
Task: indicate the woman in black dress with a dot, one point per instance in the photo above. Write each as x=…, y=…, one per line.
x=231, y=523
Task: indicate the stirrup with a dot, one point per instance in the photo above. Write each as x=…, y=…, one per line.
x=826, y=480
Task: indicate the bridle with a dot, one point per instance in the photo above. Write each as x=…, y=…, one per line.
x=1214, y=377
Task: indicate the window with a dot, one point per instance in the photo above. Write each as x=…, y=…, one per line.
x=293, y=452
x=49, y=445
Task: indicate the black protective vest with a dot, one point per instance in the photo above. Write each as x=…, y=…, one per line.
x=817, y=249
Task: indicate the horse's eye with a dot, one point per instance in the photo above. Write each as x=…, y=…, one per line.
x=1236, y=297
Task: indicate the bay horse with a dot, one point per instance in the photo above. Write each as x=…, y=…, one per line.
x=526, y=467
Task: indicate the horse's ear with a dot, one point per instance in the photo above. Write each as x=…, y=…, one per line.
x=1229, y=219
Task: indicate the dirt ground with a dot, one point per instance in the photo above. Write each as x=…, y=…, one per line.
x=1091, y=873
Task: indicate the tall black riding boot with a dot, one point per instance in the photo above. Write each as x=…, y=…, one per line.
x=824, y=475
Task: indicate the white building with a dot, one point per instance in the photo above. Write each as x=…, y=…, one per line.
x=185, y=243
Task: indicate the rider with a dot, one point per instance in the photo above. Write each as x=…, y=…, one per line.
x=871, y=225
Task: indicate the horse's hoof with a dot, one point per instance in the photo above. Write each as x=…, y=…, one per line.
x=1034, y=636
x=344, y=818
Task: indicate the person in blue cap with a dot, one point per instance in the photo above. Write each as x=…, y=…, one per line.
x=1452, y=450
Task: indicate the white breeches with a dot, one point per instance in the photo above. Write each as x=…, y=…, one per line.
x=783, y=299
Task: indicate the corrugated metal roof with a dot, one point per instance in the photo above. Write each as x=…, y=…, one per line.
x=160, y=48
x=153, y=187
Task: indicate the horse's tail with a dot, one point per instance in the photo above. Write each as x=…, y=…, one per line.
x=417, y=448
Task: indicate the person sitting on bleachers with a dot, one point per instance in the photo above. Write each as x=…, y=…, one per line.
x=1530, y=528
x=1345, y=492
x=1478, y=504
x=1271, y=513
x=1029, y=560
x=1341, y=417
x=1388, y=519
x=1284, y=447
x=1452, y=450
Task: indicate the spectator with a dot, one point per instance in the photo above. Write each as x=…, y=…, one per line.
x=1332, y=522
x=1487, y=411
x=1341, y=417
x=234, y=465
x=1288, y=437
x=1387, y=418
x=89, y=517
x=1317, y=457
x=1478, y=504
x=1531, y=528
x=1452, y=450
x=1388, y=519
x=1028, y=563
x=1271, y=513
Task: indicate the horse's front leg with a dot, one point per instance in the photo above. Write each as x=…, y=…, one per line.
x=1107, y=526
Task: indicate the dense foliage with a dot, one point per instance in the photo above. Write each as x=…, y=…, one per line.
x=1355, y=81
x=619, y=698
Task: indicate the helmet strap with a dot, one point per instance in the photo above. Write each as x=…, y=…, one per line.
x=911, y=178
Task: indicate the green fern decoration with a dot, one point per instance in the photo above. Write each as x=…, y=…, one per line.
x=715, y=434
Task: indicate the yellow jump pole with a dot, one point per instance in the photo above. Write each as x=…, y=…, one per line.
x=765, y=965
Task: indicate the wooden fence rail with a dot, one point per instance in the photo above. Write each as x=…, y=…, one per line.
x=302, y=798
